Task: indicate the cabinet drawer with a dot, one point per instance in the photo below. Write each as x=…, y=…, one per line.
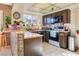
x=20, y=46
x=20, y=52
x=20, y=36
x=20, y=42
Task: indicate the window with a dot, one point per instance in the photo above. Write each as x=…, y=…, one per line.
x=27, y=18
x=30, y=19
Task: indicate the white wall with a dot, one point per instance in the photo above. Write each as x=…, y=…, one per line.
x=77, y=18
x=77, y=24
x=21, y=8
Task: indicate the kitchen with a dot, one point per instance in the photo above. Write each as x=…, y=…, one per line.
x=51, y=27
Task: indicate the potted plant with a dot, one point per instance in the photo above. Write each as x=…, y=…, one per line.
x=8, y=19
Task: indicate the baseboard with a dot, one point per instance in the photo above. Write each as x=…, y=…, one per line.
x=76, y=48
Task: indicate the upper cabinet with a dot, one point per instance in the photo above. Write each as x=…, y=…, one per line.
x=57, y=17
x=66, y=15
x=44, y=20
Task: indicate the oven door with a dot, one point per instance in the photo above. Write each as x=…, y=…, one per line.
x=53, y=35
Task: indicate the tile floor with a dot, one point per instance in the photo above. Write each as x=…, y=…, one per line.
x=48, y=50
x=5, y=51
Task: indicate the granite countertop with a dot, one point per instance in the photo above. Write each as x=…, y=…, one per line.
x=29, y=35
x=4, y=32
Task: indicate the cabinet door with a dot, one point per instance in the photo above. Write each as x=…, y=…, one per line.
x=33, y=47
x=66, y=16
x=44, y=20
x=20, y=45
x=49, y=19
x=63, y=40
x=46, y=36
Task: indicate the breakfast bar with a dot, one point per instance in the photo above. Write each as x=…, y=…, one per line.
x=26, y=44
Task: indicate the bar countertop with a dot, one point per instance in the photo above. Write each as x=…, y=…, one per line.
x=29, y=35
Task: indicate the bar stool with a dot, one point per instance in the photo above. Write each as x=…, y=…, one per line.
x=0, y=39
x=3, y=40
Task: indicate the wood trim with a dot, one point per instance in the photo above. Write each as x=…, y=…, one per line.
x=5, y=5
x=7, y=9
x=65, y=13
x=76, y=48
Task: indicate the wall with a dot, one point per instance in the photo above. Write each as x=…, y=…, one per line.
x=17, y=7
x=6, y=10
x=21, y=8
x=77, y=23
x=77, y=18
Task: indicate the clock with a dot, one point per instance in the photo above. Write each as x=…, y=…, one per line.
x=16, y=15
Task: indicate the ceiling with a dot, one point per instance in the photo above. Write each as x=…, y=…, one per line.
x=43, y=8
x=46, y=7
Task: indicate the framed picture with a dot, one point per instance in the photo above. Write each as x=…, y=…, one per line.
x=16, y=15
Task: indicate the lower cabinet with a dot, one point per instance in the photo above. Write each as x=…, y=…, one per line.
x=45, y=34
x=17, y=45
x=33, y=47
x=63, y=39
x=20, y=45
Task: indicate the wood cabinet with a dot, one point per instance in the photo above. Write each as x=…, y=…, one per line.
x=17, y=45
x=26, y=44
x=45, y=37
x=44, y=20
x=20, y=44
x=65, y=14
x=33, y=47
x=63, y=39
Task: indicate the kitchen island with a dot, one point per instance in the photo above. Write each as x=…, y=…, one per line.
x=26, y=44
